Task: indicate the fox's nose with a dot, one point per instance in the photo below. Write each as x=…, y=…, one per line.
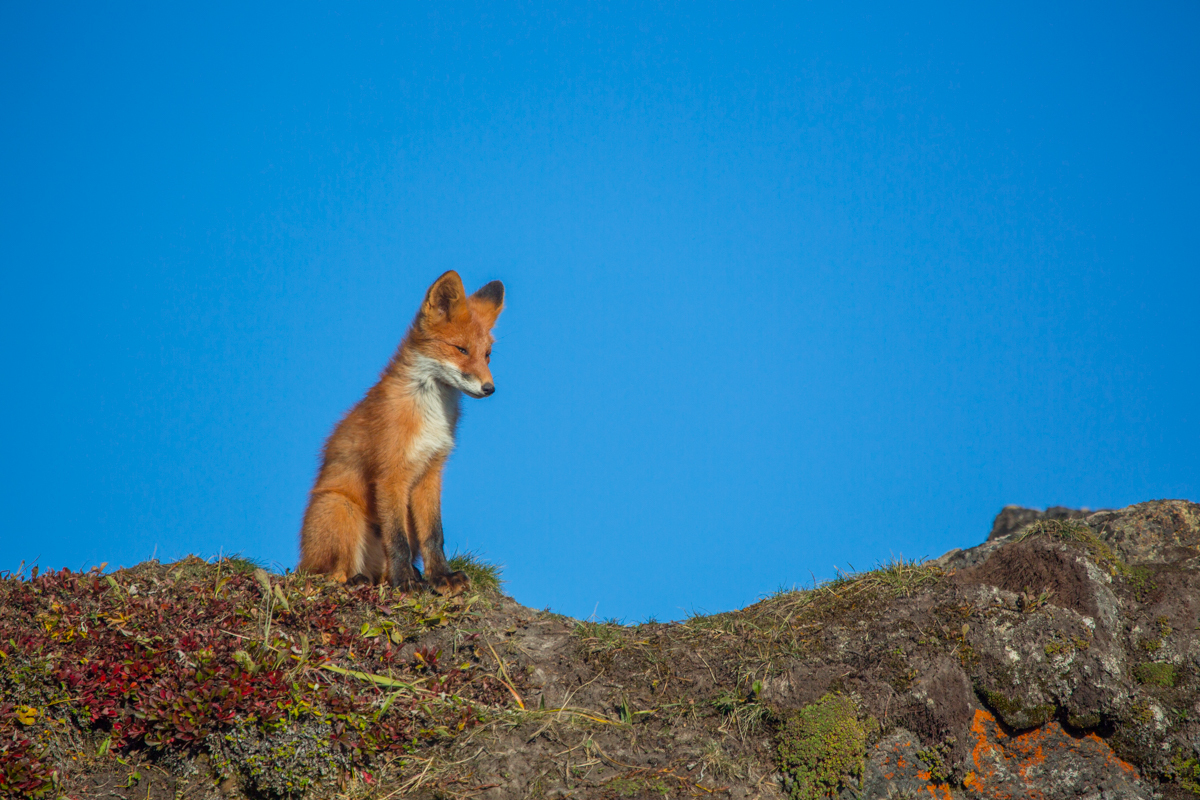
x=488, y=388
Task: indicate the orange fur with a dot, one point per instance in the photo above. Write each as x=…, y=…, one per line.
x=376, y=504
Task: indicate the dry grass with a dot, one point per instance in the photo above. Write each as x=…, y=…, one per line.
x=602, y=637
x=1079, y=532
x=788, y=623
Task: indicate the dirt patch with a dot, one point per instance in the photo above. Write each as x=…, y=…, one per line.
x=1038, y=569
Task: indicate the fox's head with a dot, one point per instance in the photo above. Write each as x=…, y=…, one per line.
x=452, y=334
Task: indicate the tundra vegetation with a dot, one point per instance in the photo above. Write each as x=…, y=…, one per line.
x=1060, y=654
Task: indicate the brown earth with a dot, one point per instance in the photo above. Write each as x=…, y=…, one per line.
x=1058, y=659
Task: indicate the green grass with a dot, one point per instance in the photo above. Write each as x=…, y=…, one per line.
x=243, y=564
x=601, y=636
x=484, y=577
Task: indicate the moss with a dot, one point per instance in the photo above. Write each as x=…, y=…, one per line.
x=1016, y=714
x=822, y=746
x=1060, y=645
x=1057, y=646
x=1084, y=721
x=1185, y=772
x=241, y=564
x=1139, y=580
x=1141, y=713
x=1156, y=674
x=934, y=759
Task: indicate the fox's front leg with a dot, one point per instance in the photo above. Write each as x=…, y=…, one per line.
x=393, y=521
x=426, y=507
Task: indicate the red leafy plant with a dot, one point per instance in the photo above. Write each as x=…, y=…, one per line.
x=195, y=655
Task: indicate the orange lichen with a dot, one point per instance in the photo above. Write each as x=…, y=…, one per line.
x=1130, y=769
x=1001, y=760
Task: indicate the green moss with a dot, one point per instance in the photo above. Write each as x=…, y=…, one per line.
x=239, y=563
x=1139, y=580
x=822, y=746
x=1057, y=646
x=1185, y=772
x=1016, y=714
x=1165, y=675
x=1142, y=713
x=934, y=759
x=1060, y=645
x=1084, y=721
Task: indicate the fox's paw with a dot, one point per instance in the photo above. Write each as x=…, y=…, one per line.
x=359, y=580
x=451, y=584
x=410, y=583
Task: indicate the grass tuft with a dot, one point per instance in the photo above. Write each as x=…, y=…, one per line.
x=244, y=565
x=1079, y=532
x=602, y=636
x=485, y=577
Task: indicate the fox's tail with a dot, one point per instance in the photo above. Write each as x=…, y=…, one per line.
x=334, y=536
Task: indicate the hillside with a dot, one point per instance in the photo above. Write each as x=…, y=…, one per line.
x=1058, y=659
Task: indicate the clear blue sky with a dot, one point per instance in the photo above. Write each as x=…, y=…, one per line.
x=788, y=288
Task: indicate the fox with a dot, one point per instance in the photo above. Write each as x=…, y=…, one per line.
x=376, y=504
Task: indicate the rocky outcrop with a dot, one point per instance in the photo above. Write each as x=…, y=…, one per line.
x=1058, y=659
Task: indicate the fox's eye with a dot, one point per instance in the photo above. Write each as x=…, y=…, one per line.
x=487, y=356
x=462, y=350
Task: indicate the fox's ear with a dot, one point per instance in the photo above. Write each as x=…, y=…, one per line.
x=445, y=299
x=489, y=301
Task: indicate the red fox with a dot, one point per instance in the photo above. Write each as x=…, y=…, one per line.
x=377, y=501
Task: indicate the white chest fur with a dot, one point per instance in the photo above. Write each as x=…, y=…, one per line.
x=437, y=412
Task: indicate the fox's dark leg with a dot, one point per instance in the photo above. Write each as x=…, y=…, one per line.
x=393, y=521
x=426, y=506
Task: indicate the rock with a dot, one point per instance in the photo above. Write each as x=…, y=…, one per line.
x=1047, y=764
x=1161, y=531
x=1058, y=659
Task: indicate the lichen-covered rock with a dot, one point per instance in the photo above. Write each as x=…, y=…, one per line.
x=1160, y=531
x=899, y=766
x=1058, y=659
x=1046, y=763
